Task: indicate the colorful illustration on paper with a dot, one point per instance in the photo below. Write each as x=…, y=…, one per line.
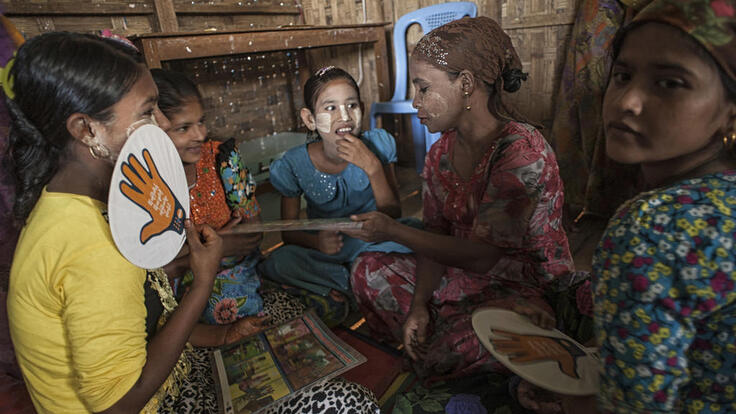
x=253, y=377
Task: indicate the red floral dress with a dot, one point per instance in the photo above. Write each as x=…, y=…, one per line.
x=513, y=200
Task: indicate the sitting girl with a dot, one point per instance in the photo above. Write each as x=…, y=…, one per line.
x=92, y=332
x=340, y=172
x=665, y=302
x=663, y=274
x=221, y=194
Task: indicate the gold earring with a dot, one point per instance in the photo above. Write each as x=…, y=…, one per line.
x=729, y=141
x=99, y=151
x=467, y=98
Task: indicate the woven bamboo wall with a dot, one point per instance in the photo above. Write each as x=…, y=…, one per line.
x=539, y=28
x=540, y=31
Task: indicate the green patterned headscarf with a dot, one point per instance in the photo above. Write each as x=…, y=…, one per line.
x=712, y=23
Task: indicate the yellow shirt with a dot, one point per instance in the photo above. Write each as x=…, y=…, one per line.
x=76, y=308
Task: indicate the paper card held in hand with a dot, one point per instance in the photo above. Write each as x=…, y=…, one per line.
x=336, y=224
x=148, y=200
x=546, y=358
x=267, y=367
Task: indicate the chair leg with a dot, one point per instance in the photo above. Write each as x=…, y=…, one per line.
x=417, y=132
x=372, y=118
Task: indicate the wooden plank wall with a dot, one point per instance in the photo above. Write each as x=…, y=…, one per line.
x=539, y=28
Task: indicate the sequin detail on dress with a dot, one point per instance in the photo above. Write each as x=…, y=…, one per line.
x=207, y=198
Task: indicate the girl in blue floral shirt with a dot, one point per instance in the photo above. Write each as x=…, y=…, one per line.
x=665, y=303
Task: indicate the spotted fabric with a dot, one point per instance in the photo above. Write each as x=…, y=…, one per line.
x=665, y=305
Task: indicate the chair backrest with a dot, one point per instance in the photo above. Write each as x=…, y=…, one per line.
x=428, y=18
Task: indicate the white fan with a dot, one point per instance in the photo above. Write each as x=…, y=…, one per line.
x=149, y=199
x=545, y=357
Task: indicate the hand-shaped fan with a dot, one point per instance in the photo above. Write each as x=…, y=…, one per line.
x=545, y=357
x=148, y=199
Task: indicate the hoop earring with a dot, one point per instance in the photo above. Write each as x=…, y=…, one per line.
x=467, y=99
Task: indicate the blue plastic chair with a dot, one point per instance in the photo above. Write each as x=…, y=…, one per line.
x=428, y=18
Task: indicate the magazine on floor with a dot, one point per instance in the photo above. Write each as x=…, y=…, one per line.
x=267, y=367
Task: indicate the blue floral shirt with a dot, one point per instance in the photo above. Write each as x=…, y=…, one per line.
x=665, y=304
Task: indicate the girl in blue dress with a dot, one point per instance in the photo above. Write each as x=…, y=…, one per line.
x=340, y=171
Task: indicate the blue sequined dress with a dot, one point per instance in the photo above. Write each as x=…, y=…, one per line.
x=328, y=196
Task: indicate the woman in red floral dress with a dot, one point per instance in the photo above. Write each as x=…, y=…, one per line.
x=492, y=209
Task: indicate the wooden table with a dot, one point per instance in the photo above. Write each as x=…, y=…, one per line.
x=158, y=47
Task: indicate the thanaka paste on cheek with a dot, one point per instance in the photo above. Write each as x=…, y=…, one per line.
x=357, y=117
x=323, y=122
x=435, y=104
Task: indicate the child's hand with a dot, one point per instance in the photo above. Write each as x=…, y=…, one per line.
x=354, y=151
x=205, y=248
x=245, y=327
x=330, y=242
x=235, y=219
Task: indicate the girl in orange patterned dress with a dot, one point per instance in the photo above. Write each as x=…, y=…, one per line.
x=221, y=194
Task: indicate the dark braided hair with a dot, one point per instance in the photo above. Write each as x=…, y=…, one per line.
x=56, y=75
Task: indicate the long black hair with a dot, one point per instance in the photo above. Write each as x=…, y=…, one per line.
x=56, y=75
x=173, y=89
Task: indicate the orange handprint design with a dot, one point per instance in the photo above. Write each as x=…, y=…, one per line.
x=534, y=348
x=151, y=193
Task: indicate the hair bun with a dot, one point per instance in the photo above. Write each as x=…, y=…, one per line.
x=512, y=79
